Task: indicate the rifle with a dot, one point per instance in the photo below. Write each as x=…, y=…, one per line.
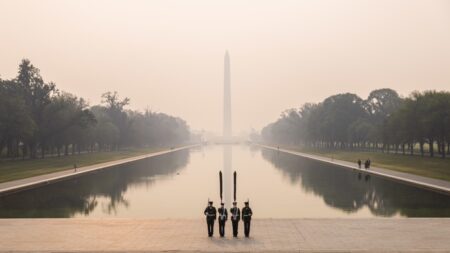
x=234, y=195
x=221, y=185
x=234, y=190
x=221, y=193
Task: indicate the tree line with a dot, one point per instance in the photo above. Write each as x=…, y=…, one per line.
x=384, y=121
x=37, y=119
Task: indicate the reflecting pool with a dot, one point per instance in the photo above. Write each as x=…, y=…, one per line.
x=179, y=184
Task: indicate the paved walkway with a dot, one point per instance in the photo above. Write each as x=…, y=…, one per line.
x=16, y=185
x=426, y=182
x=268, y=235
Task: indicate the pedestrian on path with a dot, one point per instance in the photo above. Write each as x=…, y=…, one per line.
x=74, y=167
x=359, y=163
x=367, y=164
x=247, y=217
x=210, y=213
x=223, y=217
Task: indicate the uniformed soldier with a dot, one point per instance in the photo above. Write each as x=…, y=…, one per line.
x=223, y=217
x=210, y=213
x=235, y=218
x=247, y=217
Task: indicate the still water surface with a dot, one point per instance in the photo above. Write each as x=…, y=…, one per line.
x=178, y=185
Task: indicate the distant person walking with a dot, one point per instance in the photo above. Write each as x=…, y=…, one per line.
x=235, y=218
x=359, y=163
x=210, y=213
x=367, y=164
x=223, y=216
x=247, y=217
x=75, y=167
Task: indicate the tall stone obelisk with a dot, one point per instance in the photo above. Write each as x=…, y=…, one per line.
x=227, y=134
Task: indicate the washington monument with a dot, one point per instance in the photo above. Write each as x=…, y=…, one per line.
x=227, y=133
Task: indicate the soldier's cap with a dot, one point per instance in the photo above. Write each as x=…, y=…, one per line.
x=210, y=202
x=246, y=202
x=222, y=204
x=234, y=202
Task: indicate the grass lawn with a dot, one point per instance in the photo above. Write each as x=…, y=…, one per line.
x=18, y=169
x=423, y=166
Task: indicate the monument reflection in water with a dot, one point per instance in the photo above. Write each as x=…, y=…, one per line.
x=227, y=175
x=178, y=185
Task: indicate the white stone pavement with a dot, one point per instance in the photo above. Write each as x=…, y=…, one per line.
x=267, y=235
x=425, y=182
x=30, y=182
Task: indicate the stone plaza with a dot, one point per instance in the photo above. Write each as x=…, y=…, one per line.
x=189, y=235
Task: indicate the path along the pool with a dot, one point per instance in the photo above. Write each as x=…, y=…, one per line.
x=267, y=235
x=425, y=182
x=17, y=185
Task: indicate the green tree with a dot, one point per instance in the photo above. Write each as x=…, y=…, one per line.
x=37, y=95
x=16, y=124
x=115, y=110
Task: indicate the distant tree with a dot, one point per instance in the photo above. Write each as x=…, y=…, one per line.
x=359, y=132
x=16, y=124
x=435, y=118
x=345, y=120
x=113, y=102
x=37, y=95
x=65, y=121
x=382, y=103
x=36, y=117
x=340, y=112
x=115, y=109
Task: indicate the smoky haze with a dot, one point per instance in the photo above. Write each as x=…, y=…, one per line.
x=168, y=55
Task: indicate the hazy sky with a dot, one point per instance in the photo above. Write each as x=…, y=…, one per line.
x=168, y=55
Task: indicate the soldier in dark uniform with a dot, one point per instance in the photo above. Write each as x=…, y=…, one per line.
x=235, y=218
x=247, y=217
x=223, y=217
x=210, y=213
